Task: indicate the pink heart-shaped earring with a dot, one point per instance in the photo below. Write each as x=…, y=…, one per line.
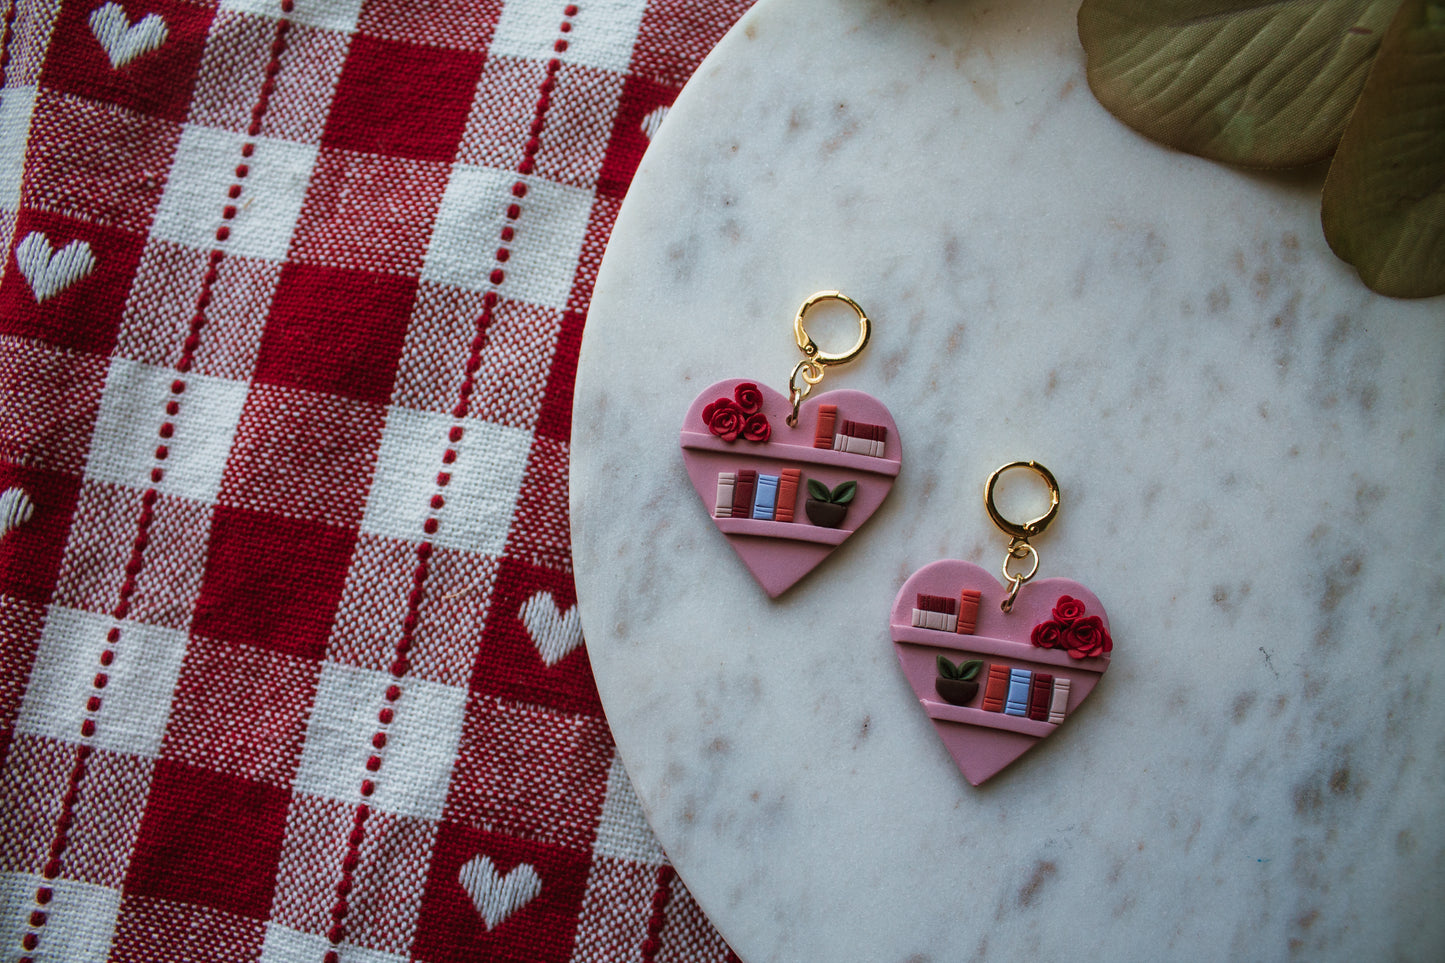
x=997, y=670
x=787, y=483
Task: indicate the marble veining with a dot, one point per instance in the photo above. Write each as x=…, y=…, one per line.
x=1251, y=452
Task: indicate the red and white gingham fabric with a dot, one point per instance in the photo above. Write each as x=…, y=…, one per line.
x=291, y=666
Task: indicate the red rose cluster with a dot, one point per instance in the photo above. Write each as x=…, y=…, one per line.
x=1082, y=636
x=742, y=414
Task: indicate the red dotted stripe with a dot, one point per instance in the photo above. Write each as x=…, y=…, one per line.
x=60, y=837
x=348, y=867
x=660, y=896
x=401, y=654
x=7, y=32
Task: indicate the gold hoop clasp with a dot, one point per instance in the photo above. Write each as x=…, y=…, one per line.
x=807, y=345
x=1020, y=532
x=815, y=359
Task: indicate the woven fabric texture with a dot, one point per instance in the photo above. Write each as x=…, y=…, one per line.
x=290, y=662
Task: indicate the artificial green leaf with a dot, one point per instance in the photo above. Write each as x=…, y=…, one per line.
x=1267, y=83
x=947, y=669
x=844, y=493
x=1384, y=201
x=818, y=490
x=969, y=669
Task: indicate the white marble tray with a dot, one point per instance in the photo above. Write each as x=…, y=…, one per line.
x=1251, y=451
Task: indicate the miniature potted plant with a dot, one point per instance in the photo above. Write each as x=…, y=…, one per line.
x=825, y=508
x=955, y=683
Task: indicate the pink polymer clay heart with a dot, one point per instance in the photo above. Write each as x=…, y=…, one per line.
x=785, y=503
x=1023, y=691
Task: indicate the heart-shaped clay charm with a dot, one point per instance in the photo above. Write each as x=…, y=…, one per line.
x=787, y=497
x=995, y=683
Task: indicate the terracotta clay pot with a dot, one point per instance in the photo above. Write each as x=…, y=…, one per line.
x=956, y=691
x=825, y=514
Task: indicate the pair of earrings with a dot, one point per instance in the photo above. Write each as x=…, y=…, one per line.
x=994, y=668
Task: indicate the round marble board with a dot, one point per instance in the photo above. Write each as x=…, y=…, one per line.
x=1251, y=454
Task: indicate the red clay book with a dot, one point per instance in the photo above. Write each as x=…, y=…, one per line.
x=968, y=611
x=1039, y=696
x=743, y=493
x=788, y=483
x=995, y=694
x=827, y=420
x=936, y=603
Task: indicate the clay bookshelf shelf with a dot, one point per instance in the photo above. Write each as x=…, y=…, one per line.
x=944, y=712
x=793, y=454
x=1000, y=648
x=793, y=531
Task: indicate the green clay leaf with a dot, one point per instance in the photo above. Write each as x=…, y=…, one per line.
x=969, y=669
x=947, y=669
x=1384, y=199
x=817, y=490
x=844, y=493
x=1264, y=83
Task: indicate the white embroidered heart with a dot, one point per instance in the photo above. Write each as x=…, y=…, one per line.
x=124, y=41
x=653, y=121
x=50, y=271
x=495, y=896
x=554, y=632
x=15, y=509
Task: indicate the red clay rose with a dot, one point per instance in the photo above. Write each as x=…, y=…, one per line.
x=1087, y=638
x=1068, y=608
x=1048, y=635
x=749, y=398
x=719, y=405
x=724, y=419
x=726, y=424
x=757, y=428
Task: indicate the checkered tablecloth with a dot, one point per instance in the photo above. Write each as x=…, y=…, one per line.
x=291, y=664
